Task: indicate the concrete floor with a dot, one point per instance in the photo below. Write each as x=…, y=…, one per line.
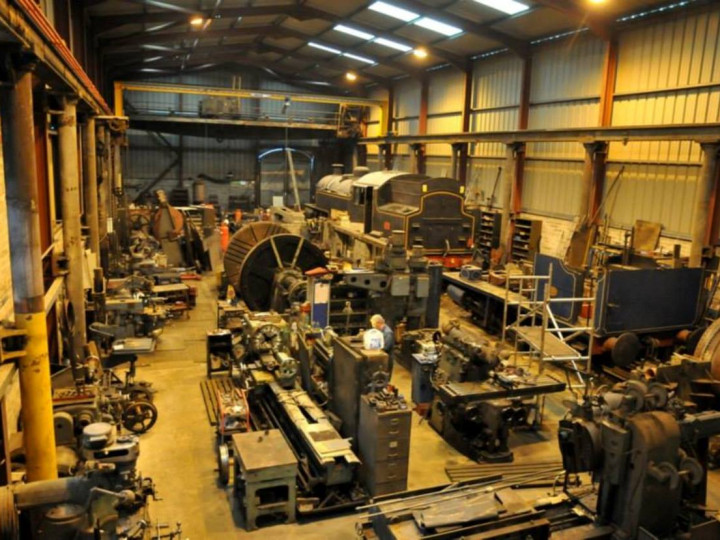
x=178, y=453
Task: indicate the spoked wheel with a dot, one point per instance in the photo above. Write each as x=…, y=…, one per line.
x=139, y=416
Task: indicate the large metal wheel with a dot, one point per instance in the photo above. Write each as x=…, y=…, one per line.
x=260, y=250
x=708, y=348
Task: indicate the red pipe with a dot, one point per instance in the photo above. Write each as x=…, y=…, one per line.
x=48, y=32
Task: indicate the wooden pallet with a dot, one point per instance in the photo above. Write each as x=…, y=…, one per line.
x=209, y=389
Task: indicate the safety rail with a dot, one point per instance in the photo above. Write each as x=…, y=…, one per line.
x=537, y=327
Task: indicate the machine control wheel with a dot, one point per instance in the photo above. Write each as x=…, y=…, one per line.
x=139, y=416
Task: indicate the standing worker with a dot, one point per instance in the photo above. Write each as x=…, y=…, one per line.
x=378, y=322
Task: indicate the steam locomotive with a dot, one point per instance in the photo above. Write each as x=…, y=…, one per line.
x=430, y=211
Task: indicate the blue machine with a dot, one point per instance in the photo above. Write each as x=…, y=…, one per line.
x=641, y=301
x=423, y=366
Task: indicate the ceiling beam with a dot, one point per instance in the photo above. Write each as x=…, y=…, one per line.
x=518, y=46
x=264, y=30
x=236, y=55
x=244, y=62
x=600, y=26
x=103, y=23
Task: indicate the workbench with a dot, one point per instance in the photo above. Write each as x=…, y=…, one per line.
x=265, y=473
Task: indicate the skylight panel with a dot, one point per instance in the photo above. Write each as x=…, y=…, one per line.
x=323, y=47
x=393, y=11
x=392, y=44
x=359, y=58
x=511, y=7
x=437, y=26
x=353, y=32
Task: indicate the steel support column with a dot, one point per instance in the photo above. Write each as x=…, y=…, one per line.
x=417, y=158
x=703, y=198
x=90, y=185
x=104, y=181
x=459, y=162
x=72, y=230
x=386, y=156
x=592, y=180
x=512, y=152
x=26, y=259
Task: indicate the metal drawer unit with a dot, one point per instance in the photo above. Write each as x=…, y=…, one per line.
x=384, y=444
x=352, y=371
x=265, y=476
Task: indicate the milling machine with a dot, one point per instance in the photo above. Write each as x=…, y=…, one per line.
x=477, y=398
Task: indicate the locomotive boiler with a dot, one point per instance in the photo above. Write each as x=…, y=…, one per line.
x=430, y=211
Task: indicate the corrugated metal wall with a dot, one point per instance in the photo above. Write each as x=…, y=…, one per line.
x=564, y=92
x=668, y=73
x=494, y=105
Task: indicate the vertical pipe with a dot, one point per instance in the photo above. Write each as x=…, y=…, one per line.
x=587, y=181
x=509, y=179
x=72, y=231
x=26, y=260
x=91, y=186
x=703, y=195
x=102, y=188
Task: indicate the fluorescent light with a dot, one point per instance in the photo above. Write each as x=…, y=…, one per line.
x=511, y=7
x=437, y=26
x=393, y=11
x=359, y=58
x=353, y=31
x=392, y=44
x=324, y=48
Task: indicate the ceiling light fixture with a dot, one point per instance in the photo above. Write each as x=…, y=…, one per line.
x=414, y=18
x=393, y=11
x=392, y=44
x=437, y=26
x=350, y=76
x=420, y=52
x=324, y=48
x=353, y=32
x=197, y=20
x=359, y=58
x=511, y=7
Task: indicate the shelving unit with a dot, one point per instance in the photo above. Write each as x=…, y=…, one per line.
x=488, y=232
x=526, y=239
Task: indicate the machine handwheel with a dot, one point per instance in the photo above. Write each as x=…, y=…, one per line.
x=139, y=416
x=223, y=462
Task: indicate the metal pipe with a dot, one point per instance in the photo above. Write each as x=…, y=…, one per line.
x=703, y=197
x=102, y=188
x=507, y=190
x=587, y=183
x=91, y=186
x=26, y=261
x=72, y=230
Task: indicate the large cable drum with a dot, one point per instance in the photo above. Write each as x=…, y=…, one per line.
x=263, y=258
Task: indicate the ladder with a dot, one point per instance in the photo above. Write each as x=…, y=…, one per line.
x=537, y=328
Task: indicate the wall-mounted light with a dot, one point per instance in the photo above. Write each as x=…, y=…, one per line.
x=350, y=76
x=420, y=52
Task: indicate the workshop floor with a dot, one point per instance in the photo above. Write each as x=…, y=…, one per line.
x=178, y=453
